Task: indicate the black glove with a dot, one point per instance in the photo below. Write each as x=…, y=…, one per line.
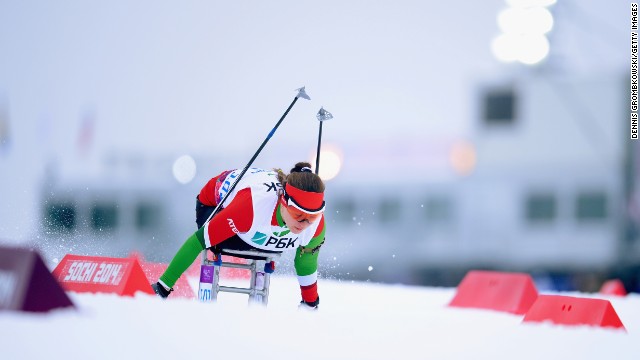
x=160, y=290
x=306, y=305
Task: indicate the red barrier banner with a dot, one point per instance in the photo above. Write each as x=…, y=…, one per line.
x=26, y=283
x=153, y=271
x=613, y=287
x=181, y=289
x=102, y=274
x=568, y=310
x=493, y=290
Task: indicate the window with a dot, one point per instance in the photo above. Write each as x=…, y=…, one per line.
x=499, y=107
x=591, y=206
x=344, y=210
x=438, y=210
x=389, y=210
x=60, y=217
x=147, y=216
x=541, y=207
x=104, y=217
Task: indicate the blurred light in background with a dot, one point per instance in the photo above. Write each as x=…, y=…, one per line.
x=523, y=25
x=463, y=157
x=184, y=169
x=537, y=20
x=530, y=3
x=330, y=162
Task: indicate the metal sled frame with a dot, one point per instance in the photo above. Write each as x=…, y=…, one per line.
x=257, y=263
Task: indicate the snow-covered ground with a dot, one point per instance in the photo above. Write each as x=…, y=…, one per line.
x=355, y=321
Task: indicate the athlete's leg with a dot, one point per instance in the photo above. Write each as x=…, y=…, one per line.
x=183, y=259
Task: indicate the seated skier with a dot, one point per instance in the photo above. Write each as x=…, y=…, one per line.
x=267, y=211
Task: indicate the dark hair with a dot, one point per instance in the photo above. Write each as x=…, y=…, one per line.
x=302, y=178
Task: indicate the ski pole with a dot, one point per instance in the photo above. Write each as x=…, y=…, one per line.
x=207, y=291
x=301, y=94
x=322, y=115
x=208, y=274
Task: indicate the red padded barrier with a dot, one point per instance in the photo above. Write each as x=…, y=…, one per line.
x=613, y=287
x=153, y=271
x=568, y=310
x=181, y=289
x=26, y=283
x=500, y=291
x=102, y=274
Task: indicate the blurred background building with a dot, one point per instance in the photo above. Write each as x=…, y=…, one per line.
x=470, y=135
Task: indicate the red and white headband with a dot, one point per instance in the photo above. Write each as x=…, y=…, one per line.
x=306, y=201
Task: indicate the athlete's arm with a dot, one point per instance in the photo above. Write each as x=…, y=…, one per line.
x=306, y=265
x=235, y=218
x=207, y=194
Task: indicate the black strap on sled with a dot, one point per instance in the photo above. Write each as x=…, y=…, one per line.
x=312, y=251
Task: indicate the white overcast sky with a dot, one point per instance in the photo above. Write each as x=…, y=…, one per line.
x=211, y=78
x=196, y=76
